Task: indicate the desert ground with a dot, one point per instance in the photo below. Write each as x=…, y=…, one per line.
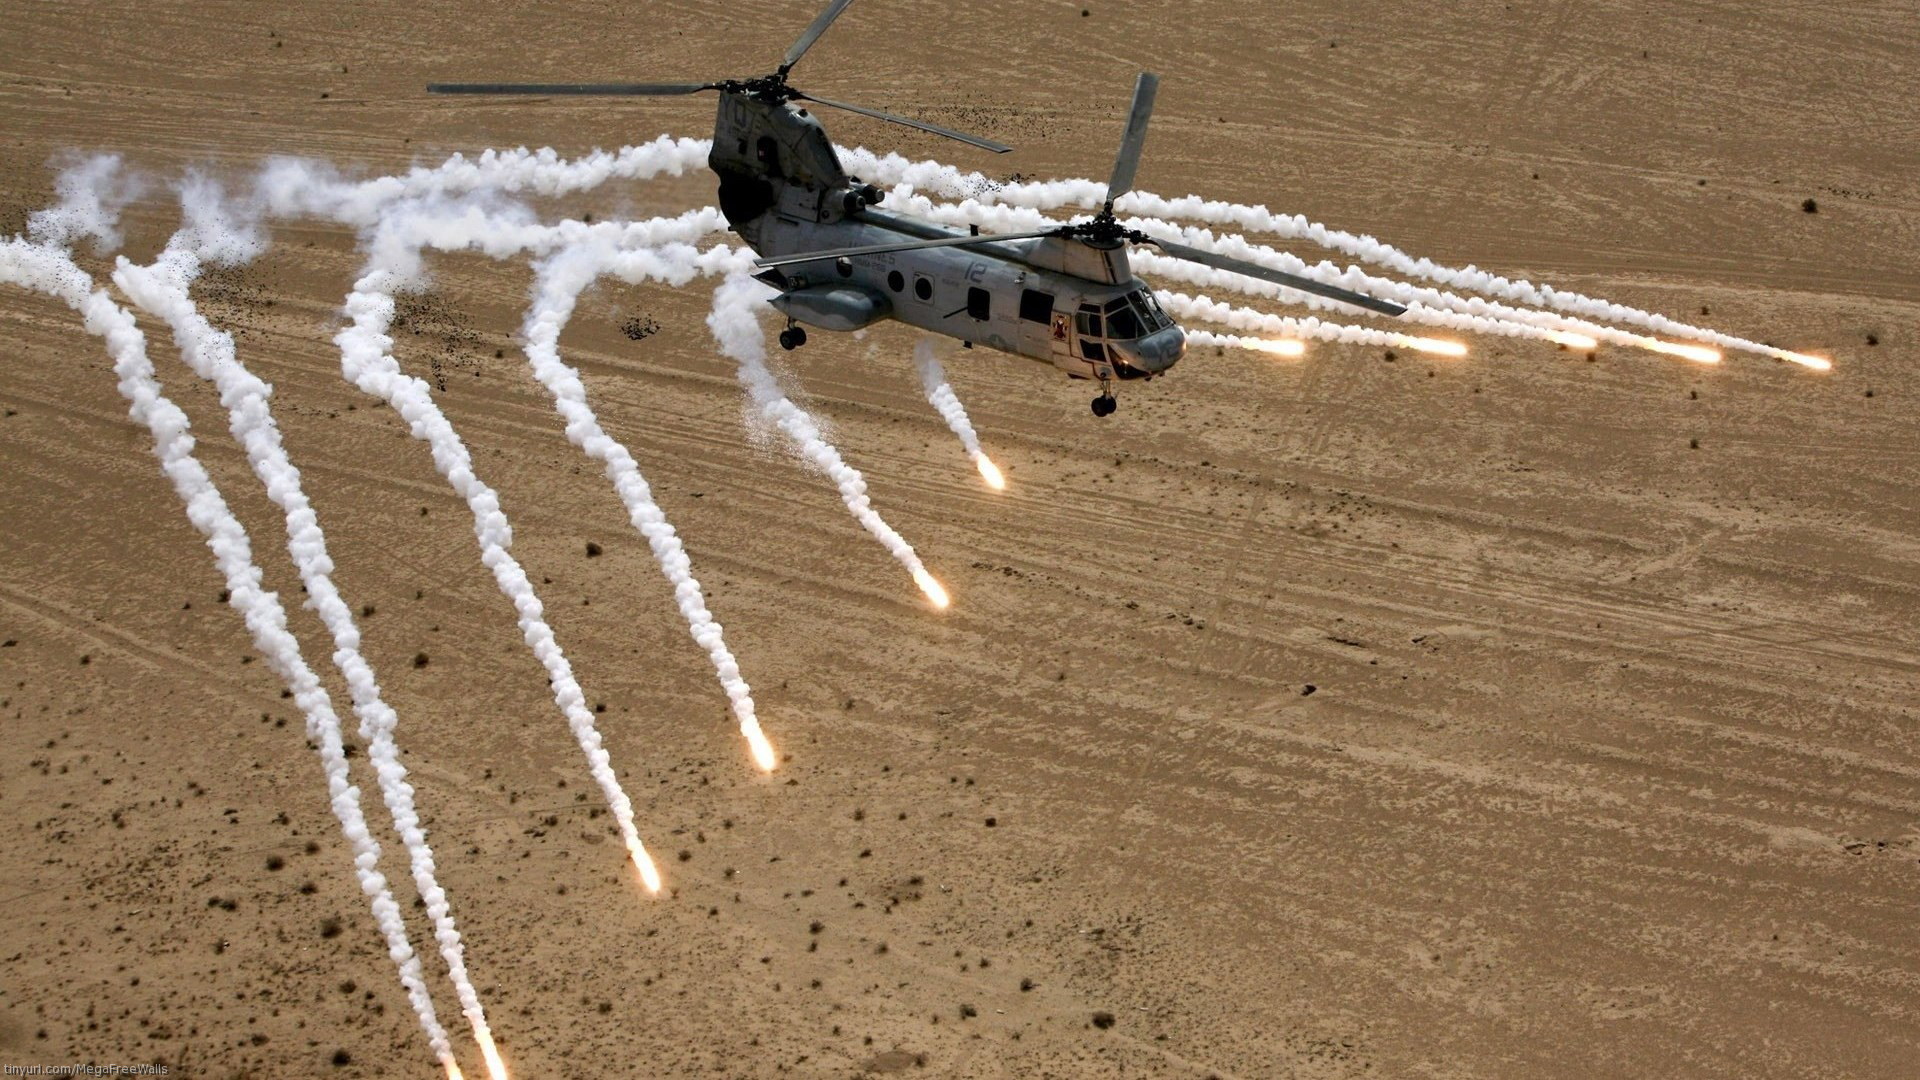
x=1517, y=715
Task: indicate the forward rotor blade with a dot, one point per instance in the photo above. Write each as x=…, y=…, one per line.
x=1278, y=277
x=812, y=34
x=904, y=245
x=1135, y=138
x=984, y=144
x=577, y=89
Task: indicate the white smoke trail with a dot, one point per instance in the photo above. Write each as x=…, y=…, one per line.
x=978, y=189
x=92, y=192
x=586, y=252
x=941, y=396
x=505, y=230
x=366, y=360
x=49, y=271
x=1240, y=318
x=1520, y=291
x=736, y=328
x=1427, y=306
x=296, y=187
x=556, y=289
x=163, y=290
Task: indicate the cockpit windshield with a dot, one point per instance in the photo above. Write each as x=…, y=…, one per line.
x=1134, y=315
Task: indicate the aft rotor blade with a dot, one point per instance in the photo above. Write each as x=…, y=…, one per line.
x=1135, y=138
x=812, y=34
x=1278, y=277
x=577, y=89
x=971, y=140
x=904, y=245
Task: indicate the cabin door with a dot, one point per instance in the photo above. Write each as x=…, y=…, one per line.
x=1060, y=340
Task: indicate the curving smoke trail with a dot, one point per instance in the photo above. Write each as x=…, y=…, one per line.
x=977, y=189
x=557, y=286
x=162, y=289
x=654, y=249
x=736, y=328
x=941, y=396
x=50, y=271
x=366, y=359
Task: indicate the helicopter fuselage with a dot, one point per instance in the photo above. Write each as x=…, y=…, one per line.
x=1071, y=304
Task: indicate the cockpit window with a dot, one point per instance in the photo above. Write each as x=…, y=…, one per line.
x=1123, y=323
x=1133, y=315
x=1151, y=311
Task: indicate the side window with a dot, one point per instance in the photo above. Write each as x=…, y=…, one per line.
x=895, y=281
x=923, y=286
x=1036, y=306
x=979, y=303
x=1088, y=322
x=1093, y=350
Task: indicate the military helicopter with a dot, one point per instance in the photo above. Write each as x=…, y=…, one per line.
x=1064, y=295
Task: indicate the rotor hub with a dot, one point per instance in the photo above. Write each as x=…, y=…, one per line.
x=1103, y=231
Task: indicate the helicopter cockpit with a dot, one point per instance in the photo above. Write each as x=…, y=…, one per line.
x=1131, y=332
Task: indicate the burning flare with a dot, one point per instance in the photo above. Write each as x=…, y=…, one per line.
x=1817, y=363
x=761, y=749
x=1278, y=346
x=1430, y=345
x=1699, y=354
x=496, y=1066
x=1572, y=340
x=643, y=862
x=990, y=473
x=936, y=593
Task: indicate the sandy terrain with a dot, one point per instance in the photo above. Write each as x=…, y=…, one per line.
x=1610, y=761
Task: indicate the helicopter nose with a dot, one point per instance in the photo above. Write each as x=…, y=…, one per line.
x=1159, y=350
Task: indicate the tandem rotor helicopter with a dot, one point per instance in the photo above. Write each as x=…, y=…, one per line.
x=1065, y=296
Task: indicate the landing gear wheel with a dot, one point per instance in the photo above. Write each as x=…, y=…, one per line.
x=792, y=338
x=1104, y=405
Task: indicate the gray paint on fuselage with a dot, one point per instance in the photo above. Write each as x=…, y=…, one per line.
x=785, y=192
x=995, y=266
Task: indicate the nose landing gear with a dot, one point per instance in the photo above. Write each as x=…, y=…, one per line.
x=792, y=337
x=1105, y=403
